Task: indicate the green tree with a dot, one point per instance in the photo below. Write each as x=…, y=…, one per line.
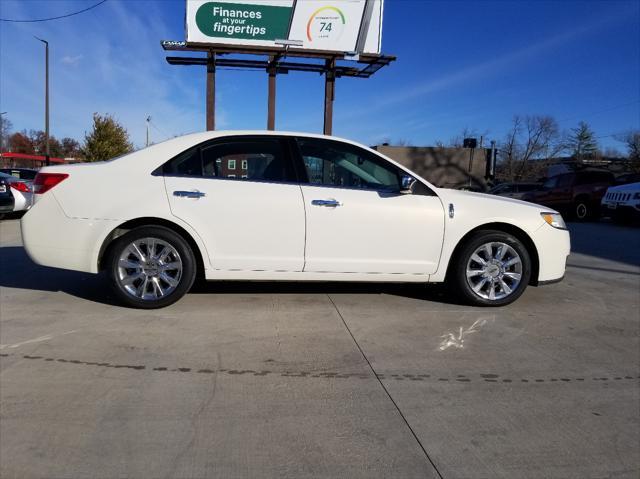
x=582, y=141
x=107, y=140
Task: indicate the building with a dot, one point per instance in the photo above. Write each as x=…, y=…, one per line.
x=470, y=168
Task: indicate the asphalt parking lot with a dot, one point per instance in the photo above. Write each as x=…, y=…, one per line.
x=317, y=380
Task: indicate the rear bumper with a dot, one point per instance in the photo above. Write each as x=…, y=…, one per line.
x=52, y=239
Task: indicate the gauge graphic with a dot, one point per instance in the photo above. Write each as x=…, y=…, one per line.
x=326, y=25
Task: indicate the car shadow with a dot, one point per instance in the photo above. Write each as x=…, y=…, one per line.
x=18, y=271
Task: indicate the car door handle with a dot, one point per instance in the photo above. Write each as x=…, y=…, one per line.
x=329, y=203
x=188, y=194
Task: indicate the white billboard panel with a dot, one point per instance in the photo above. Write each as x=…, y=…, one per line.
x=331, y=25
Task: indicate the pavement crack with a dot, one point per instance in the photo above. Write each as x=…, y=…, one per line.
x=376, y=376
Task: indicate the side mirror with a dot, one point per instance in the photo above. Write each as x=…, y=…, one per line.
x=406, y=184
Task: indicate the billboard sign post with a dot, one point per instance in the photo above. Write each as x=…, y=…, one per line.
x=322, y=32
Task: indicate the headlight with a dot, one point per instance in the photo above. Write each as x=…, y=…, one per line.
x=555, y=220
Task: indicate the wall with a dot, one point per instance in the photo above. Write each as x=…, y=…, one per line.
x=444, y=167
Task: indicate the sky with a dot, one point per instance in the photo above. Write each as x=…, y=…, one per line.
x=460, y=65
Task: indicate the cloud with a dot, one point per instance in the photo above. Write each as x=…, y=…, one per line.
x=73, y=61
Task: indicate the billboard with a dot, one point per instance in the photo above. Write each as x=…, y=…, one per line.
x=350, y=26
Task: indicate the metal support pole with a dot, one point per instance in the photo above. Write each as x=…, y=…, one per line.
x=46, y=101
x=211, y=91
x=329, y=95
x=46, y=94
x=271, y=109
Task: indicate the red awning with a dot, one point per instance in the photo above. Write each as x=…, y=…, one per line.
x=24, y=156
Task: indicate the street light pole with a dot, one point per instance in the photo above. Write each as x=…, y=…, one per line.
x=1, y=130
x=46, y=102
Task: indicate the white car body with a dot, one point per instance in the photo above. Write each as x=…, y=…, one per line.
x=245, y=230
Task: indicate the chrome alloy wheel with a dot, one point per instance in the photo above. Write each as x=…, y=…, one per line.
x=149, y=268
x=494, y=271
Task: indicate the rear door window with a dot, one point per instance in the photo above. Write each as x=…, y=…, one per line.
x=248, y=159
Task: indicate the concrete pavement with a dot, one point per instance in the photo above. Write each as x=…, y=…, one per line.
x=318, y=380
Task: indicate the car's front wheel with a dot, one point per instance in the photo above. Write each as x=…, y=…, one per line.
x=493, y=268
x=150, y=267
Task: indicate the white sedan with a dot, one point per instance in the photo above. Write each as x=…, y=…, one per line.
x=283, y=206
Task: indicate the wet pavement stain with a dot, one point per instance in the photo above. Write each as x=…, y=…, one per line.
x=461, y=378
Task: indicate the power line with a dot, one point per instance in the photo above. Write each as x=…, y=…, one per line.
x=13, y=20
x=599, y=112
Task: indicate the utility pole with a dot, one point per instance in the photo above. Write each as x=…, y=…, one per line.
x=46, y=102
x=1, y=130
x=148, y=121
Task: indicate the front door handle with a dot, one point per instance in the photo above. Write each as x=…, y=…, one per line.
x=188, y=194
x=330, y=203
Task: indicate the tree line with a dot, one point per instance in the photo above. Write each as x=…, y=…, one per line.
x=107, y=139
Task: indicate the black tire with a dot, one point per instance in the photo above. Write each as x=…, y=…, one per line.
x=184, y=280
x=582, y=210
x=458, y=272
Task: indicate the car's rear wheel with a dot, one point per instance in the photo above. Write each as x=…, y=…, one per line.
x=151, y=267
x=492, y=268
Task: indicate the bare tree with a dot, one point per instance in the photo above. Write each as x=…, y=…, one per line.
x=5, y=130
x=632, y=141
x=529, y=144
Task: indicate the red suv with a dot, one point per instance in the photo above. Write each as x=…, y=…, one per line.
x=576, y=195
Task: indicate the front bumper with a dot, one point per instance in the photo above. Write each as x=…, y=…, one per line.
x=554, y=246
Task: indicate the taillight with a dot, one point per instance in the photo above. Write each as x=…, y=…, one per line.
x=20, y=186
x=45, y=181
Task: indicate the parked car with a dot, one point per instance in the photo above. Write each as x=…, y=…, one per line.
x=6, y=197
x=577, y=194
x=20, y=191
x=21, y=173
x=622, y=202
x=513, y=190
x=627, y=178
x=283, y=206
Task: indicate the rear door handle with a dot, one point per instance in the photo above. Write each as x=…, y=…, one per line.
x=188, y=194
x=330, y=203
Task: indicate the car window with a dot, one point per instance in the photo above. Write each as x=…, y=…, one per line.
x=525, y=188
x=551, y=183
x=27, y=174
x=185, y=164
x=242, y=159
x=258, y=160
x=564, y=181
x=332, y=163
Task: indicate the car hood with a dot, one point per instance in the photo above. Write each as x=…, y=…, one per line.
x=628, y=188
x=492, y=200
